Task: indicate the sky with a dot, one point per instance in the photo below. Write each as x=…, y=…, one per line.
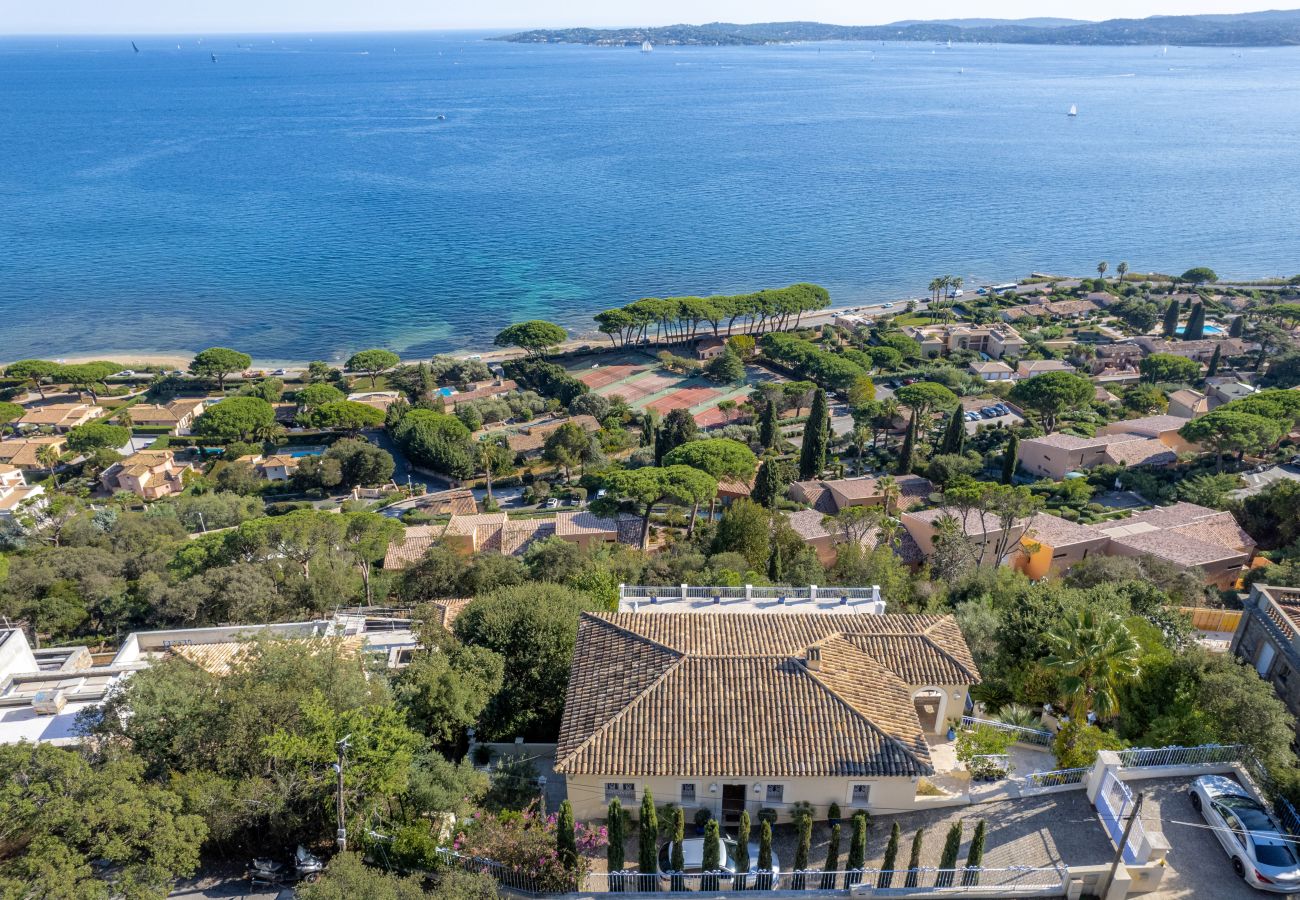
x=254, y=16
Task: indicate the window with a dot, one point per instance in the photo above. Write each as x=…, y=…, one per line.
x=775, y=793
x=861, y=795
x=688, y=794
x=625, y=791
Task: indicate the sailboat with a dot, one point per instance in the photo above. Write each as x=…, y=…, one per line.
x=647, y=47
x=214, y=57
x=134, y=47
x=1074, y=111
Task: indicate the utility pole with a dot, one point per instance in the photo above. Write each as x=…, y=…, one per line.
x=341, y=835
x=1123, y=841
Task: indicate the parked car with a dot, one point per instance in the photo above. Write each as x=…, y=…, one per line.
x=693, y=857
x=553, y=503
x=1260, y=851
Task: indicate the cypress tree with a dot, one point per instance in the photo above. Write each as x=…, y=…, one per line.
x=832, y=859
x=975, y=856
x=914, y=860
x=566, y=840
x=891, y=858
x=1170, y=327
x=1195, y=328
x=614, y=852
x=648, y=858
x=677, y=860
x=948, y=860
x=1214, y=361
x=775, y=566
x=678, y=428
x=742, y=851
x=1237, y=327
x=1010, y=459
x=649, y=425
x=954, y=437
x=816, y=438
x=769, y=484
x=804, y=827
x=768, y=432
x=905, y=456
x=712, y=856
x=765, y=856
x=857, y=848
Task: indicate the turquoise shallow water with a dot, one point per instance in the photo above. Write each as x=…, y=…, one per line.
x=302, y=198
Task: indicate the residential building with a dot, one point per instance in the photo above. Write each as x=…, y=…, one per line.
x=832, y=496
x=24, y=453
x=994, y=341
x=1057, y=455
x=177, y=416
x=1051, y=545
x=529, y=441
x=1028, y=368
x=1163, y=428
x=742, y=712
x=61, y=417
x=1187, y=535
x=478, y=532
x=1119, y=357
x=42, y=691
x=1188, y=403
x=280, y=467
x=1268, y=638
x=380, y=400
x=15, y=493
x=709, y=348
x=1198, y=351
x=485, y=389
x=749, y=599
x=588, y=530
x=1219, y=391
x=991, y=371
x=991, y=542
x=149, y=474
x=809, y=525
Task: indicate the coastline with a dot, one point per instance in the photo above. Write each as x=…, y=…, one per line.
x=180, y=359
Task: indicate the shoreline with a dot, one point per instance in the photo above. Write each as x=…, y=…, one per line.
x=180, y=359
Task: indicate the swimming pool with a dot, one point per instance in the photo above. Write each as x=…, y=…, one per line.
x=1209, y=329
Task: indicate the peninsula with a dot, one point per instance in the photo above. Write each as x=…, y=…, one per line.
x=1259, y=29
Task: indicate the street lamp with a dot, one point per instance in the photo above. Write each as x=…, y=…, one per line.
x=341, y=835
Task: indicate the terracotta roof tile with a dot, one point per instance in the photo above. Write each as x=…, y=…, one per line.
x=732, y=694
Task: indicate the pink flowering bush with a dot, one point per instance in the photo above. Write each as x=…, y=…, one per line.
x=524, y=844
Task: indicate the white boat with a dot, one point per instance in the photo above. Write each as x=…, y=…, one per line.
x=647, y=47
x=1074, y=111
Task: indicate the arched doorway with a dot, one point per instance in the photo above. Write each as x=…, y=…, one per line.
x=929, y=705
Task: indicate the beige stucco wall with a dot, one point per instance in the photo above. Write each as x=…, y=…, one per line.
x=922, y=531
x=1053, y=462
x=587, y=793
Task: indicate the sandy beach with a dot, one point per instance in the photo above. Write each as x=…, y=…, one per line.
x=180, y=359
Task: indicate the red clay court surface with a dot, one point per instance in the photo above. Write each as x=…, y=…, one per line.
x=683, y=399
x=606, y=375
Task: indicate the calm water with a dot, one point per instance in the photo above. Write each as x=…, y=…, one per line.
x=301, y=198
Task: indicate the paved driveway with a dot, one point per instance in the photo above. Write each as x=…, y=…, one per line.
x=1198, y=867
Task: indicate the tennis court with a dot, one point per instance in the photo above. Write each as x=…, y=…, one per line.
x=607, y=375
x=683, y=399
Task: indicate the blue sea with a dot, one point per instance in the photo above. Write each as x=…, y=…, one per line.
x=303, y=197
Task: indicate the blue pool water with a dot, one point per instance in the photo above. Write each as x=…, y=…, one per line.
x=301, y=198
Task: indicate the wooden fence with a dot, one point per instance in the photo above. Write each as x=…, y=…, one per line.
x=1213, y=619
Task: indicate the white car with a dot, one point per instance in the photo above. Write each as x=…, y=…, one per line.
x=693, y=859
x=1261, y=851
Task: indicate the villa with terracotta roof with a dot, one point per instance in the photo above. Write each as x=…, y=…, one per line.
x=1268, y=638
x=1149, y=441
x=994, y=370
x=24, y=453
x=177, y=416
x=1188, y=403
x=995, y=341
x=832, y=496
x=478, y=532
x=1163, y=428
x=61, y=417
x=737, y=712
x=992, y=542
x=15, y=493
x=1186, y=535
x=809, y=525
x=1051, y=545
x=1028, y=368
x=149, y=474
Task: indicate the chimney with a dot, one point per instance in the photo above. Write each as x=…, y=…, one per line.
x=813, y=659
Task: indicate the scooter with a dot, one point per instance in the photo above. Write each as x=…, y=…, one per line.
x=306, y=867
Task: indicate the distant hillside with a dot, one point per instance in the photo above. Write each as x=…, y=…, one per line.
x=1261, y=29
x=1042, y=22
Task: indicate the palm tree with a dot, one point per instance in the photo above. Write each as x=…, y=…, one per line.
x=1096, y=654
x=1101, y=269
x=1122, y=269
x=49, y=456
x=860, y=437
x=936, y=285
x=889, y=493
